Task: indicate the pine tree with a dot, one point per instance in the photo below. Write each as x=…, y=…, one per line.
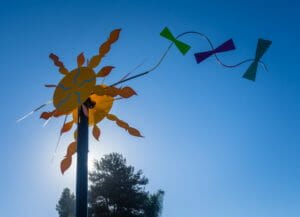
x=66, y=204
x=118, y=191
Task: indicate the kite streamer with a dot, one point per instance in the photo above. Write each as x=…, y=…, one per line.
x=226, y=46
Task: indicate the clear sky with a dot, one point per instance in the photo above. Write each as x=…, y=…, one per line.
x=219, y=145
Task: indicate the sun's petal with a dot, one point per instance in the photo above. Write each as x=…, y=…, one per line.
x=94, y=62
x=80, y=60
x=65, y=164
x=105, y=71
x=105, y=47
x=58, y=63
x=132, y=131
x=66, y=127
x=72, y=149
x=96, y=132
x=126, y=92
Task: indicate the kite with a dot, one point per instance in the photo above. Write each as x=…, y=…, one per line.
x=262, y=47
x=226, y=46
x=250, y=74
x=182, y=47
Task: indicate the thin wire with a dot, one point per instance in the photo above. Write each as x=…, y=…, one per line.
x=115, y=99
x=146, y=72
x=58, y=141
x=161, y=59
x=135, y=68
x=34, y=110
x=102, y=82
x=50, y=85
x=46, y=122
x=124, y=77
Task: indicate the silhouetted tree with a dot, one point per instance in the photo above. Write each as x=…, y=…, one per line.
x=66, y=204
x=116, y=190
x=153, y=206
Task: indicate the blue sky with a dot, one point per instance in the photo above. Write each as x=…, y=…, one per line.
x=219, y=145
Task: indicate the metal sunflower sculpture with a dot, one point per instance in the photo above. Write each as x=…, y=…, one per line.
x=79, y=89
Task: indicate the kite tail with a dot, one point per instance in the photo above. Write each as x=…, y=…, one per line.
x=170, y=46
x=216, y=56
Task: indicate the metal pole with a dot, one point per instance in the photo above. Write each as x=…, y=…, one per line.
x=82, y=165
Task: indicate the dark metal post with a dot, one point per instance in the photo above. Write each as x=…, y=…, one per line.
x=82, y=165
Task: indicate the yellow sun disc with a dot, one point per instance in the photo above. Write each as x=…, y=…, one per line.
x=101, y=109
x=74, y=89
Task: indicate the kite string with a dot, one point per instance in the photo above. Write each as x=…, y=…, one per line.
x=168, y=49
x=126, y=75
x=146, y=72
x=132, y=70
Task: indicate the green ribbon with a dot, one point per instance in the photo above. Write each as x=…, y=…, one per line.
x=183, y=48
x=262, y=47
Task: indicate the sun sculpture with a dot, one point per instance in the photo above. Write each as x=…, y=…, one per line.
x=79, y=89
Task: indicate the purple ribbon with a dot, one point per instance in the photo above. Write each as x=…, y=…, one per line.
x=226, y=46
